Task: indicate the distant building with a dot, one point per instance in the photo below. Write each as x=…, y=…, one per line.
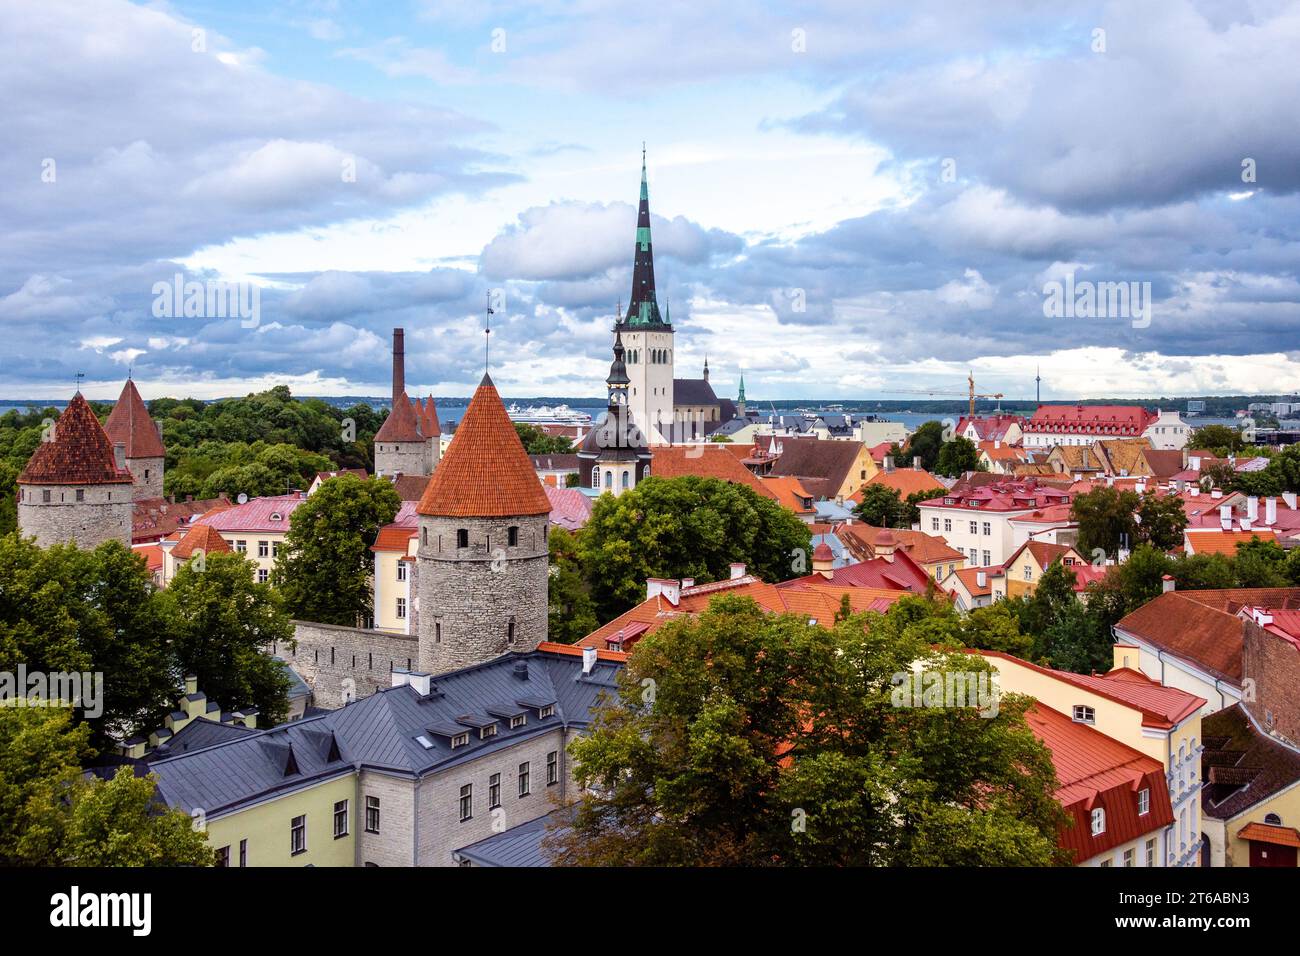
x=409, y=440
x=1085, y=424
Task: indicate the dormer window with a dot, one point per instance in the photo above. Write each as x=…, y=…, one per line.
x=276, y=516
x=1098, y=821
x=489, y=731
x=1084, y=714
x=547, y=711
x=518, y=720
x=460, y=740
x=1144, y=801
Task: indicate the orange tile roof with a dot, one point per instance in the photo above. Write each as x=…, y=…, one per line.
x=812, y=600
x=905, y=481
x=705, y=461
x=153, y=555
x=1268, y=833
x=1178, y=623
x=969, y=578
x=602, y=654
x=486, y=473
x=129, y=422
x=920, y=547
x=790, y=493
x=394, y=537
x=201, y=537
x=79, y=452
x=1224, y=542
x=428, y=415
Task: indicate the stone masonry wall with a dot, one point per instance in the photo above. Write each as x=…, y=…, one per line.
x=469, y=597
x=148, y=475
x=329, y=655
x=408, y=458
x=104, y=514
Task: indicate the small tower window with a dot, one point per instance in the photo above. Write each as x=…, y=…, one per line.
x=512, y=536
x=424, y=536
x=45, y=496
x=625, y=479
x=462, y=537
x=146, y=474
x=510, y=631
x=81, y=494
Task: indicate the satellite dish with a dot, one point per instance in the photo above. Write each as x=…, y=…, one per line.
x=242, y=499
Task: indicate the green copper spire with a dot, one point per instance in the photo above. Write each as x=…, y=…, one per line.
x=741, y=396
x=642, y=308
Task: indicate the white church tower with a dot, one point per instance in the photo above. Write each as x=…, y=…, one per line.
x=648, y=338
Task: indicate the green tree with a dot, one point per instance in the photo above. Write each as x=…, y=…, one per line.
x=1161, y=520
x=537, y=442
x=1260, y=564
x=746, y=739
x=1105, y=517
x=326, y=567
x=1222, y=440
x=222, y=625
x=686, y=527
x=957, y=457
x=571, y=613
x=880, y=506
x=118, y=823
x=51, y=816
x=64, y=609
x=926, y=443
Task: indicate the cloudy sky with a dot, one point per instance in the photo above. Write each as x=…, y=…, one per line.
x=850, y=198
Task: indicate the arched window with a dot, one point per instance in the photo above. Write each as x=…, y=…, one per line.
x=1273, y=820
x=595, y=477
x=609, y=479
x=625, y=478
x=462, y=537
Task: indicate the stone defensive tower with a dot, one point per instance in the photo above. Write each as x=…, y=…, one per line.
x=76, y=487
x=408, y=442
x=129, y=423
x=483, y=552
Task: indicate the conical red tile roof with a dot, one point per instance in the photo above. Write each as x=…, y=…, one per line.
x=79, y=452
x=200, y=536
x=402, y=423
x=130, y=422
x=486, y=473
x=429, y=424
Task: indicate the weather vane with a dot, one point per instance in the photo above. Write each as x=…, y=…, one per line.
x=487, y=332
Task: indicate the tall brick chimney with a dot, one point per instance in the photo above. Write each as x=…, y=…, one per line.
x=399, y=363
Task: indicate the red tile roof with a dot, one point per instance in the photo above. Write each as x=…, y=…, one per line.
x=1268, y=833
x=427, y=412
x=989, y=427
x=1096, y=771
x=902, y=574
x=403, y=422
x=79, y=452
x=1115, y=420
x=906, y=481
x=201, y=537
x=1003, y=494
x=710, y=460
x=816, y=600
x=156, y=518
x=486, y=473
x=1179, y=623
x=863, y=539
x=129, y=422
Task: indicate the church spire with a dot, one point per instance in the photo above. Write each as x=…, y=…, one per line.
x=618, y=382
x=643, y=309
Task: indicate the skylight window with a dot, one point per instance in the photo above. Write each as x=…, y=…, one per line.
x=424, y=742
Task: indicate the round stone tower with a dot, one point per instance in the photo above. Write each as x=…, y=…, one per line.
x=76, y=487
x=484, y=542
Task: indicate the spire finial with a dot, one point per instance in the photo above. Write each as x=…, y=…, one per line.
x=487, y=334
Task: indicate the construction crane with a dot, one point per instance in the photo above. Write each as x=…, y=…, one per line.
x=970, y=393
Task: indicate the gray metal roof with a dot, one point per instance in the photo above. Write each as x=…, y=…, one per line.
x=380, y=732
x=693, y=391
x=518, y=846
x=199, y=733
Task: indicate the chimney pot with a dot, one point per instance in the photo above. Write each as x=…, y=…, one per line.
x=588, y=659
x=737, y=570
x=1167, y=583
x=421, y=681
x=401, y=677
